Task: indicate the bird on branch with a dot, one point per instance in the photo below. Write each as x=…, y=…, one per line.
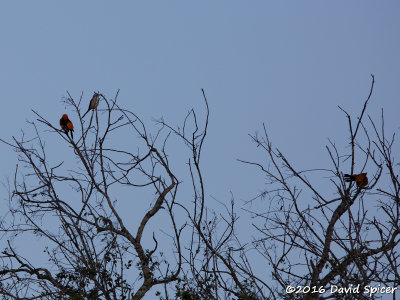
x=94, y=102
x=360, y=179
x=67, y=125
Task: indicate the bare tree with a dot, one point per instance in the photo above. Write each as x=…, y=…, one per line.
x=312, y=245
x=317, y=245
x=309, y=242
x=73, y=211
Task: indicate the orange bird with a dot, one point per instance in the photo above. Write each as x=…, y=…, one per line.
x=360, y=179
x=67, y=125
x=94, y=102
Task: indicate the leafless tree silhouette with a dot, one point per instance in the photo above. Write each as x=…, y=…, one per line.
x=307, y=240
x=315, y=243
x=90, y=246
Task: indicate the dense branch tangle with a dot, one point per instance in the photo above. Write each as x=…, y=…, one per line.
x=319, y=229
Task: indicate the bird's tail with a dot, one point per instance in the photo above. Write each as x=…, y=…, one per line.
x=85, y=113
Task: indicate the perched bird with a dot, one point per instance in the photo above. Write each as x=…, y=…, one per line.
x=67, y=125
x=360, y=179
x=94, y=102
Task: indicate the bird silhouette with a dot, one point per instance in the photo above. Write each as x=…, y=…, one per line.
x=94, y=102
x=67, y=125
x=360, y=179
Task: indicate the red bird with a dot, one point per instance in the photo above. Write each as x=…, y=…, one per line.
x=360, y=179
x=67, y=125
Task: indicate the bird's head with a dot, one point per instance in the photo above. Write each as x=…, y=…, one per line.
x=65, y=117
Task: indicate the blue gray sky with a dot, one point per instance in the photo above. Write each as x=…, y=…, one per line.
x=287, y=64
